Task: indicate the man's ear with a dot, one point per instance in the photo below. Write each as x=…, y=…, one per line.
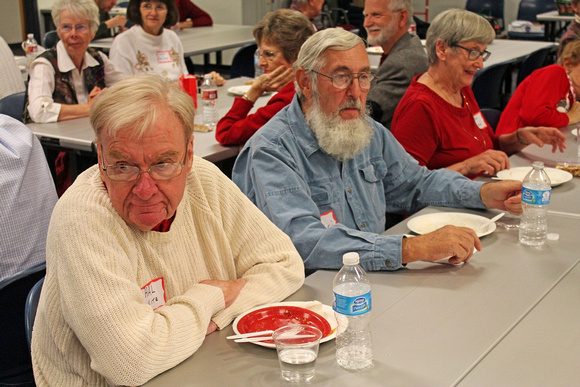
x=304, y=83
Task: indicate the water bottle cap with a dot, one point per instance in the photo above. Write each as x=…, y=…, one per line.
x=30, y=36
x=350, y=259
x=538, y=164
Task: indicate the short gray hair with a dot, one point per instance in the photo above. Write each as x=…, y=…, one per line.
x=454, y=26
x=79, y=9
x=397, y=5
x=311, y=56
x=134, y=103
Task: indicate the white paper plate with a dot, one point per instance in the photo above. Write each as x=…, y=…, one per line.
x=557, y=176
x=242, y=89
x=425, y=224
x=326, y=312
x=574, y=132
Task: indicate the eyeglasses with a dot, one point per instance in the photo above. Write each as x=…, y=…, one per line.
x=128, y=173
x=267, y=55
x=80, y=28
x=159, y=7
x=474, y=54
x=343, y=80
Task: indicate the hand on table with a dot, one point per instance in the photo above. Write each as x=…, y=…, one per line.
x=491, y=161
x=503, y=195
x=574, y=113
x=94, y=94
x=231, y=289
x=448, y=241
x=542, y=135
x=212, y=327
x=218, y=79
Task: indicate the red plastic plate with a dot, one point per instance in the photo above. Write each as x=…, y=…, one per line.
x=275, y=317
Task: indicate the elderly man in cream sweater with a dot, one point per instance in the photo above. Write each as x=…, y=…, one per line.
x=150, y=250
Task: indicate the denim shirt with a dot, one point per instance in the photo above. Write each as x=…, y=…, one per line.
x=285, y=173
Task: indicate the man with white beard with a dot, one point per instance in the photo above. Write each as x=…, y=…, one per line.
x=327, y=174
x=387, y=23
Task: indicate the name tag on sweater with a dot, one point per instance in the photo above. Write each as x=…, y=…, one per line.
x=154, y=293
x=479, y=121
x=164, y=57
x=328, y=219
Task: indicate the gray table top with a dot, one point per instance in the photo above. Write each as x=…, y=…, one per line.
x=203, y=40
x=432, y=324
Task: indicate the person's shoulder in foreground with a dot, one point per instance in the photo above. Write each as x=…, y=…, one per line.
x=27, y=200
x=326, y=174
x=150, y=250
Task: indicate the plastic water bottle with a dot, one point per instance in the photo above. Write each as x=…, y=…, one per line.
x=352, y=306
x=413, y=27
x=209, y=96
x=258, y=70
x=30, y=47
x=535, y=199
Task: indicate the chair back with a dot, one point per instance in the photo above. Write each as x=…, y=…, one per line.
x=489, y=85
x=13, y=105
x=529, y=9
x=493, y=8
x=15, y=362
x=50, y=40
x=243, y=62
x=12, y=80
x=30, y=308
x=533, y=62
x=491, y=116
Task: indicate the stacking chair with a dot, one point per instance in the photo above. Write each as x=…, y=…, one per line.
x=50, y=40
x=12, y=80
x=528, y=10
x=493, y=8
x=30, y=308
x=535, y=61
x=13, y=105
x=243, y=62
x=491, y=116
x=15, y=362
x=489, y=85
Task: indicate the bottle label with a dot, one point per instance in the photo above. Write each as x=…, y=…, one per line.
x=209, y=94
x=537, y=197
x=352, y=306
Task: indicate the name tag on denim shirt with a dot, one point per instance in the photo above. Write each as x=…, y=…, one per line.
x=328, y=219
x=154, y=293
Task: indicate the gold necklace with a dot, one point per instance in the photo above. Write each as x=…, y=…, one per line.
x=484, y=145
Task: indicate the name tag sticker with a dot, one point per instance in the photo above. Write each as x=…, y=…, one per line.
x=164, y=57
x=479, y=121
x=154, y=293
x=328, y=219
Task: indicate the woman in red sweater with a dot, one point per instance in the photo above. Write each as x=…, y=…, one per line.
x=438, y=121
x=547, y=97
x=190, y=15
x=279, y=35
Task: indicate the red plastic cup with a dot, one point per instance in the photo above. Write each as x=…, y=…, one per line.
x=188, y=83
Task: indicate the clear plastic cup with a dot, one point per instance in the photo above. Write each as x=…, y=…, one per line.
x=297, y=347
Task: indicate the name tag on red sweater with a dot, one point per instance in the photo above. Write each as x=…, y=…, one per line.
x=154, y=293
x=479, y=121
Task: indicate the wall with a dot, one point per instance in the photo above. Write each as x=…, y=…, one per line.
x=10, y=27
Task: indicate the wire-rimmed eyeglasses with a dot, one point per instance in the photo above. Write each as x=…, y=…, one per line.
x=474, y=54
x=129, y=173
x=343, y=80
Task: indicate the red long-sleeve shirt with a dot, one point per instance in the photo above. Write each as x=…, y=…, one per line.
x=188, y=10
x=236, y=127
x=542, y=99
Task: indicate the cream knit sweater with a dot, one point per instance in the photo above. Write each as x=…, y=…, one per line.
x=93, y=326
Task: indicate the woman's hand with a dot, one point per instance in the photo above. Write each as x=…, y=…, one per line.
x=490, y=162
x=218, y=79
x=574, y=113
x=273, y=81
x=542, y=135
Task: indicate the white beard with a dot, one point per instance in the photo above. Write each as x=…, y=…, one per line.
x=386, y=34
x=339, y=138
